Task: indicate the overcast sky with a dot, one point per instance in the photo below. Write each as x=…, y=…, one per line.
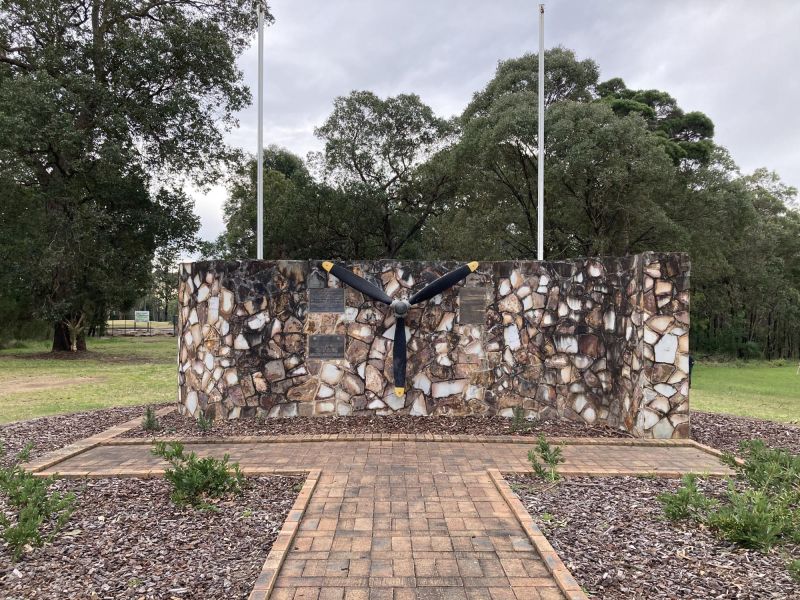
x=736, y=61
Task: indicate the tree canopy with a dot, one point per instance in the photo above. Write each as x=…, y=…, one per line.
x=100, y=104
x=625, y=171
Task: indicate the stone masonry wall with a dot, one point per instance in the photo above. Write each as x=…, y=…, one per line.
x=598, y=340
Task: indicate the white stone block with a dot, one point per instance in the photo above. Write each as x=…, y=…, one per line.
x=511, y=337
x=666, y=348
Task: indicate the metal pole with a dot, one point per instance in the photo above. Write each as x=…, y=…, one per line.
x=260, y=153
x=540, y=157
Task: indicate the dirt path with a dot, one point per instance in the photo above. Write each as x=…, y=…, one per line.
x=36, y=383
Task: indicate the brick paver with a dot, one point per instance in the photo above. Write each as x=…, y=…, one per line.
x=404, y=519
x=415, y=456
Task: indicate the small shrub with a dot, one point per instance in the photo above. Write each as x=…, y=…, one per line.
x=37, y=508
x=195, y=480
x=753, y=519
x=518, y=420
x=764, y=511
x=794, y=568
x=204, y=424
x=773, y=470
x=550, y=457
x=150, y=420
x=687, y=503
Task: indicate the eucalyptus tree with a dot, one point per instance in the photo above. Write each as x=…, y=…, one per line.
x=392, y=156
x=686, y=135
x=104, y=106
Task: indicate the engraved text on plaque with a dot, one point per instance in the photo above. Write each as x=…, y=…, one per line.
x=472, y=304
x=321, y=300
x=325, y=346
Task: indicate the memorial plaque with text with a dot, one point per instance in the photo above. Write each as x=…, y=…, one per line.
x=325, y=346
x=472, y=304
x=326, y=300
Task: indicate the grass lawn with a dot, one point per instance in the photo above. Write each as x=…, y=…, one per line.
x=116, y=372
x=756, y=389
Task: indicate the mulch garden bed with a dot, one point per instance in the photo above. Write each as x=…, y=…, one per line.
x=126, y=539
x=57, y=431
x=176, y=424
x=725, y=432
x=612, y=535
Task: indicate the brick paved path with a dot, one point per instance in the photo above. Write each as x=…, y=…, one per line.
x=409, y=519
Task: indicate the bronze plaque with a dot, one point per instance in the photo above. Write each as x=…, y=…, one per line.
x=472, y=304
x=326, y=300
x=325, y=346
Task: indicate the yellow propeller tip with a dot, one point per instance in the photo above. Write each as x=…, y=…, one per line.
x=327, y=265
x=473, y=265
x=399, y=392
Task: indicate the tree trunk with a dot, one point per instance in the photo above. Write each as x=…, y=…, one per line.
x=62, y=342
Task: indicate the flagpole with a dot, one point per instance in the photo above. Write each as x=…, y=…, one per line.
x=540, y=156
x=260, y=151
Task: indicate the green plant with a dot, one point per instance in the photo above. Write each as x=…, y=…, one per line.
x=204, y=424
x=762, y=511
x=24, y=454
x=773, y=470
x=794, y=568
x=518, y=422
x=550, y=457
x=195, y=480
x=688, y=502
x=150, y=420
x=753, y=519
x=37, y=508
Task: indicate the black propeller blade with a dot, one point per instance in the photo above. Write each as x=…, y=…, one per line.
x=359, y=283
x=400, y=307
x=444, y=282
x=399, y=357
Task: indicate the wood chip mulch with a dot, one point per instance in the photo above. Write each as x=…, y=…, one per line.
x=57, y=431
x=127, y=540
x=176, y=424
x=612, y=535
x=725, y=432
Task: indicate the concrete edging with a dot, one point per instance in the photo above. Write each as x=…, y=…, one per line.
x=280, y=548
x=555, y=566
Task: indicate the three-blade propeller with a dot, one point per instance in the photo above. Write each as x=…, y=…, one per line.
x=400, y=308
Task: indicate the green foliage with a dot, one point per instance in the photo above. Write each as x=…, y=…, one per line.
x=93, y=104
x=688, y=502
x=794, y=568
x=550, y=458
x=518, y=421
x=150, y=420
x=764, y=511
x=518, y=418
x=39, y=514
x=756, y=519
x=774, y=470
x=196, y=480
x=204, y=424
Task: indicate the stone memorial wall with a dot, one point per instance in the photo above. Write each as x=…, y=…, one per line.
x=599, y=340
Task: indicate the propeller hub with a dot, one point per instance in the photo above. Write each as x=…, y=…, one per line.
x=400, y=307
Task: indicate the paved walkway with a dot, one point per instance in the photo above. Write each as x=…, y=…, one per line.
x=398, y=456
x=408, y=519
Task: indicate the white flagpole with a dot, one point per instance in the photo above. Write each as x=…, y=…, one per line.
x=260, y=152
x=540, y=157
